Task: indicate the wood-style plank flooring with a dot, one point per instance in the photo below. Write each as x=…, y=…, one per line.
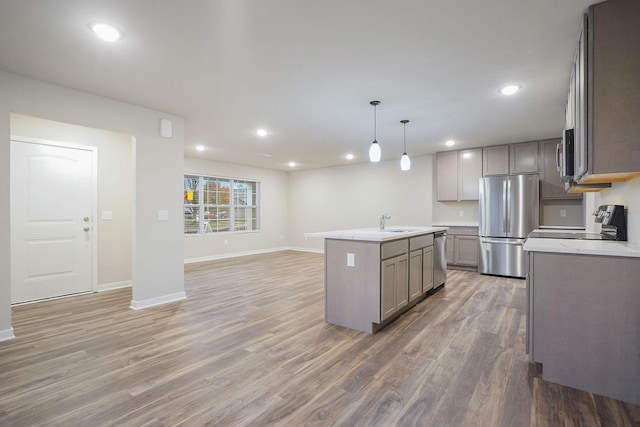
x=249, y=347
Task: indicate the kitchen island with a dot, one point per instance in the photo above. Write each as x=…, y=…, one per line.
x=373, y=276
x=583, y=317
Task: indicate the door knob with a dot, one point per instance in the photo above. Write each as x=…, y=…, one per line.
x=85, y=219
x=86, y=229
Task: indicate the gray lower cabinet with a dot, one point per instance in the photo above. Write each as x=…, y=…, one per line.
x=462, y=248
x=368, y=284
x=415, y=274
x=583, y=322
x=427, y=269
x=395, y=285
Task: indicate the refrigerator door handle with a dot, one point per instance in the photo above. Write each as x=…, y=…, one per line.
x=503, y=241
x=508, y=208
x=504, y=206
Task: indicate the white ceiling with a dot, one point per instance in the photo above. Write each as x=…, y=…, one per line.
x=306, y=70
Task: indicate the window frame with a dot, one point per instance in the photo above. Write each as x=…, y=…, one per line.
x=201, y=207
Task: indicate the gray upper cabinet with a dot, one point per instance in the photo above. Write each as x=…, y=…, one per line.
x=510, y=159
x=523, y=158
x=469, y=172
x=613, y=92
x=550, y=185
x=495, y=160
x=458, y=173
x=447, y=169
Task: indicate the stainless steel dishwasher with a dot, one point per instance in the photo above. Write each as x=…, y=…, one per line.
x=439, y=258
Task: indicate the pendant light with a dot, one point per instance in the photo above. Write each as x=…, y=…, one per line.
x=375, y=152
x=405, y=162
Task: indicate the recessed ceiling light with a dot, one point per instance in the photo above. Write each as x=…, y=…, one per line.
x=106, y=32
x=509, y=90
x=349, y=156
x=262, y=132
x=200, y=147
x=292, y=164
x=450, y=143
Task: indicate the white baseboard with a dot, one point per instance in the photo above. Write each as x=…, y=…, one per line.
x=7, y=335
x=114, y=285
x=235, y=254
x=152, y=302
x=312, y=250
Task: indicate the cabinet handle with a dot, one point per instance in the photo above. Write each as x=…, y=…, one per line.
x=558, y=165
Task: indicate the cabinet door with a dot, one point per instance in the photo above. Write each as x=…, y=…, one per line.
x=495, y=160
x=427, y=269
x=450, y=249
x=580, y=107
x=469, y=171
x=524, y=157
x=388, y=285
x=402, y=281
x=447, y=170
x=614, y=87
x=466, y=251
x=415, y=274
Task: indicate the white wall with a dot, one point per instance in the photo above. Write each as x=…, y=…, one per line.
x=157, y=272
x=115, y=189
x=273, y=232
x=356, y=196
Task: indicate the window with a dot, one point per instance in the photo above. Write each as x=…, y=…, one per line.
x=214, y=204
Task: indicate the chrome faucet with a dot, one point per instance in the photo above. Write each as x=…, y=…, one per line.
x=383, y=220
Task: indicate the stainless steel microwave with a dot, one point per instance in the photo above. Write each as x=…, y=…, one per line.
x=565, y=156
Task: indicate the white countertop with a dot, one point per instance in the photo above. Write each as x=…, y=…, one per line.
x=586, y=247
x=373, y=234
x=455, y=224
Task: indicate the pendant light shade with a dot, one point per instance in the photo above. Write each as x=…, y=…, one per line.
x=405, y=161
x=374, y=152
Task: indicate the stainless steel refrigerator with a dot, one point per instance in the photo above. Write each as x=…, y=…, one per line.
x=508, y=213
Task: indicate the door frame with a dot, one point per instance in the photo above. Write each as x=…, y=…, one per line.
x=94, y=205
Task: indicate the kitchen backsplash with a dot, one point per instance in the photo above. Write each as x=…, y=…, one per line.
x=561, y=213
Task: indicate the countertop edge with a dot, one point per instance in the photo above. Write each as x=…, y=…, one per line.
x=374, y=235
x=583, y=247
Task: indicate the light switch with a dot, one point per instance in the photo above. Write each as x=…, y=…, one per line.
x=563, y=212
x=351, y=260
x=460, y=212
x=107, y=215
x=163, y=215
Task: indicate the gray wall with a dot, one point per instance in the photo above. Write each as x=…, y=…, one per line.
x=273, y=232
x=157, y=261
x=356, y=196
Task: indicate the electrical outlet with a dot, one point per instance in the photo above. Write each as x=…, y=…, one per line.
x=563, y=213
x=226, y=242
x=351, y=260
x=460, y=212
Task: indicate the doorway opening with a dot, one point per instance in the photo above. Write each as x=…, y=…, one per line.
x=50, y=191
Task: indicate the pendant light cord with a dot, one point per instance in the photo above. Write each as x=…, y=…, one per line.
x=404, y=137
x=375, y=122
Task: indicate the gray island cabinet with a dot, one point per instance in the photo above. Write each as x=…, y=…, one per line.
x=372, y=276
x=583, y=315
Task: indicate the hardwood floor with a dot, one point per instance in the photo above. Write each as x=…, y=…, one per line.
x=249, y=346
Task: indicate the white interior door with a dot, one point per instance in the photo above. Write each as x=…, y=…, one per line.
x=51, y=220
